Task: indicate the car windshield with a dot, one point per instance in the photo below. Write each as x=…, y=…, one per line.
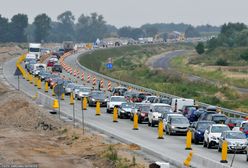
x=34, y=49
x=145, y=108
x=150, y=99
x=126, y=105
x=219, y=118
x=85, y=89
x=118, y=99
x=98, y=95
x=166, y=101
x=236, y=120
x=219, y=129
x=161, y=109
x=70, y=85
x=235, y=135
x=203, y=126
x=179, y=120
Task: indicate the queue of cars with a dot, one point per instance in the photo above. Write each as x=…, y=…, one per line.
x=208, y=125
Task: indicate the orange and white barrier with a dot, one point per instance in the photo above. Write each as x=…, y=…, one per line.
x=75, y=73
x=101, y=83
x=88, y=78
x=94, y=80
x=82, y=77
x=109, y=86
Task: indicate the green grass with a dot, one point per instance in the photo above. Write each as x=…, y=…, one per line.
x=129, y=65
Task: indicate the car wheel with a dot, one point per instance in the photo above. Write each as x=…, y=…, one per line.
x=139, y=120
x=219, y=149
x=121, y=116
x=152, y=124
x=204, y=144
x=208, y=145
x=149, y=124
x=247, y=157
x=107, y=111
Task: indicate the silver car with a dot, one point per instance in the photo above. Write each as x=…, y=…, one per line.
x=83, y=92
x=69, y=88
x=236, y=140
x=177, y=125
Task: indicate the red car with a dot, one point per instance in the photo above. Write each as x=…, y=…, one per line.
x=143, y=113
x=50, y=63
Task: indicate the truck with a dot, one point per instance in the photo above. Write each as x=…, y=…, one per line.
x=68, y=46
x=35, y=48
x=178, y=103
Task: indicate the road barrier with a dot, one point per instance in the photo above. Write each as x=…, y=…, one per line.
x=63, y=96
x=224, y=152
x=94, y=80
x=88, y=78
x=71, y=99
x=115, y=114
x=101, y=83
x=188, y=140
x=109, y=86
x=55, y=104
x=135, y=122
x=46, y=86
x=188, y=159
x=85, y=103
x=82, y=78
x=39, y=84
x=160, y=130
x=98, y=108
x=228, y=112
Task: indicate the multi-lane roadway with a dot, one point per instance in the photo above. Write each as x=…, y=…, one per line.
x=171, y=148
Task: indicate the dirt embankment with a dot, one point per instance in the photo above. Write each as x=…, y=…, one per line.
x=29, y=134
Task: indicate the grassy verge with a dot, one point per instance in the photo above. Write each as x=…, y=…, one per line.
x=129, y=65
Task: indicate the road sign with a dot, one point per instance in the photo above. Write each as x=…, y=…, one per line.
x=17, y=72
x=59, y=90
x=110, y=66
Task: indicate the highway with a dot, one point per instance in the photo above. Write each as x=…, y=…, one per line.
x=171, y=148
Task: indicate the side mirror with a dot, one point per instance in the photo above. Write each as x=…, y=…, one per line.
x=150, y=110
x=207, y=131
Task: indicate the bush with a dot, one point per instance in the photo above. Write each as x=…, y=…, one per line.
x=244, y=55
x=200, y=48
x=221, y=62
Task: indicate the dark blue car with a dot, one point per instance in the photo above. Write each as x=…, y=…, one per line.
x=198, y=128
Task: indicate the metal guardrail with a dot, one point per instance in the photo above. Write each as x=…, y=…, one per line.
x=228, y=112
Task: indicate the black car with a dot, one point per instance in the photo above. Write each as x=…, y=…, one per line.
x=57, y=68
x=198, y=128
x=95, y=96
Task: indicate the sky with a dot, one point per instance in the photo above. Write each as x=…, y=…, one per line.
x=136, y=12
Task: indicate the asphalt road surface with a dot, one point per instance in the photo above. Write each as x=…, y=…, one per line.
x=170, y=148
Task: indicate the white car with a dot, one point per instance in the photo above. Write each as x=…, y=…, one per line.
x=212, y=134
x=115, y=101
x=149, y=99
x=83, y=92
x=156, y=113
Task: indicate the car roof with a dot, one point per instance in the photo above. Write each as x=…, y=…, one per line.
x=118, y=96
x=173, y=114
x=218, y=114
x=160, y=104
x=221, y=125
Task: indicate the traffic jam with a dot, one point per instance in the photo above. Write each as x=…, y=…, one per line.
x=208, y=125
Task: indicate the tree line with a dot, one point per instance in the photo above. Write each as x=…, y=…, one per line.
x=87, y=28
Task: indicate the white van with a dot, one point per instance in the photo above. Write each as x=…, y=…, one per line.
x=35, y=48
x=178, y=103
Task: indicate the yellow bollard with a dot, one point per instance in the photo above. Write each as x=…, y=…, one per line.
x=31, y=79
x=55, y=104
x=160, y=130
x=188, y=159
x=39, y=84
x=98, y=111
x=46, y=86
x=35, y=81
x=85, y=103
x=71, y=99
x=224, y=152
x=188, y=140
x=63, y=96
x=135, y=122
x=53, y=93
x=26, y=77
x=115, y=114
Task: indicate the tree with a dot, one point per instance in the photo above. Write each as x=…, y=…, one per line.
x=191, y=32
x=150, y=31
x=90, y=28
x=200, y=48
x=4, y=29
x=66, y=27
x=18, y=25
x=42, y=27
